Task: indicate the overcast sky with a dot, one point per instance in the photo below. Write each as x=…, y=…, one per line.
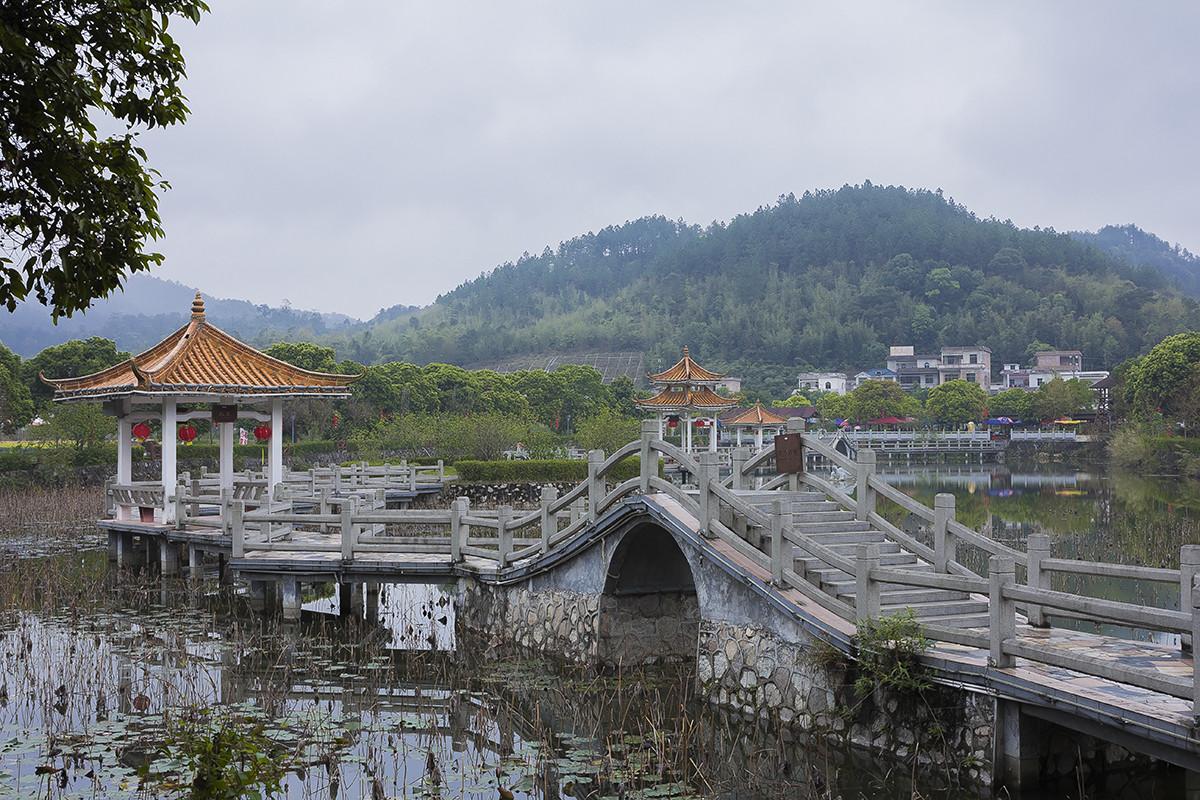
x=348, y=156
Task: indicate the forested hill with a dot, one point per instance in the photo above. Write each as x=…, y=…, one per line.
x=826, y=280
x=149, y=308
x=1141, y=248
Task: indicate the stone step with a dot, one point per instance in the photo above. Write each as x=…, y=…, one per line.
x=825, y=577
x=850, y=548
x=925, y=610
x=809, y=517
x=845, y=526
x=957, y=621
x=813, y=505
x=845, y=537
x=894, y=594
x=896, y=559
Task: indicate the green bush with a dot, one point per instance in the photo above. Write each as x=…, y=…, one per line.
x=556, y=470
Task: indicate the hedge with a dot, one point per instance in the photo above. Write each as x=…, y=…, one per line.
x=533, y=470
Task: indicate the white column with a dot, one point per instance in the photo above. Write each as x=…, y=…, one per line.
x=170, y=439
x=712, y=435
x=687, y=433
x=275, y=474
x=225, y=463
x=739, y=435
x=124, y=450
x=660, y=426
x=758, y=445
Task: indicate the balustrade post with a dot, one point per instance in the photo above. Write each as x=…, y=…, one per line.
x=1189, y=568
x=549, y=518
x=648, y=457
x=226, y=501
x=944, y=544
x=795, y=425
x=441, y=471
x=1194, y=596
x=238, y=530
x=466, y=528
x=781, y=549
x=504, y=533
x=456, y=525
x=337, y=478
x=867, y=604
x=864, y=495
x=348, y=529
x=1038, y=548
x=595, y=483
x=1002, y=611
x=180, y=515
x=704, y=479
x=412, y=478
x=110, y=506
x=738, y=460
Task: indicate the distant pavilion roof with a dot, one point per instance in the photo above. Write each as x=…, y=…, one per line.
x=674, y=398
x=201, y=359
x=756, y=416
x=686, y=371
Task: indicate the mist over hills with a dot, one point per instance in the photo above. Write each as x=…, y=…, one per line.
x=149, y=308
x=828, y=279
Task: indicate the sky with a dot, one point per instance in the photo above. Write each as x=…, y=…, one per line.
x=352, y=156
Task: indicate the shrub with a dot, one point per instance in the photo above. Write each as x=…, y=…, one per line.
x=539, y=470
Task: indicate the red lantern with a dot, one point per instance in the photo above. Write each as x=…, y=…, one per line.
x=141, y=431
x=699, y=423
x=187, y=434
x=672, y=422
x=262, y=432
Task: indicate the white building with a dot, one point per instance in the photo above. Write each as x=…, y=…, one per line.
x=1048, y=365
x=834, y=382
x=729, y=384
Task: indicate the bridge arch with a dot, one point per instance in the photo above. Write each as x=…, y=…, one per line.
x=649, y=610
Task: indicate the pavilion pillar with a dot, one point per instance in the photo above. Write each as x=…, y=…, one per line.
x=739, y=435
x=225, y=434
x=661, y=435
x=124, y=450
x=712, y=435
x=170, y=439
x=275, y=474
x=758, y=439
x=687, y=434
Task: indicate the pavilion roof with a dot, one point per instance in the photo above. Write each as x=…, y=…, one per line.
x=701, y=399
x=755, y=416
x=201, y=359
x=686, y=371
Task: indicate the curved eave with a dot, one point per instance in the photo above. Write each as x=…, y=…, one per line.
x=113, y=392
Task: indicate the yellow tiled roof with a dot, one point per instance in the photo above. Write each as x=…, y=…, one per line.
x=686, y=371
x=702, y=398
x=200, y=358
x=756, y=415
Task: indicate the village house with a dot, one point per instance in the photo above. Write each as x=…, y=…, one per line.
x=834, y=382
x=1048, y=365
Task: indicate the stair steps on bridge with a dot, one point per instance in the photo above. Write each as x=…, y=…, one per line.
x=839, y=526
x=892, y=595
x=939, y=608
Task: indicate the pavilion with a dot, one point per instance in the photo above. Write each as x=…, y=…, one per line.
x=756, y=419
x=688, y=390
x=217, y=377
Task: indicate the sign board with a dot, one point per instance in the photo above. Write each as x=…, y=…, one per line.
x=789, y=453
x=224, y=413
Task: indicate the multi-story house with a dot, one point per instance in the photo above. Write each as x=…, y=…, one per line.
x=823, y=382
x=913, y=371
x=1047, y=365
x=972, y=364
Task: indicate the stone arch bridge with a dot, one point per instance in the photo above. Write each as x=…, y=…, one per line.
x=764, y=578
